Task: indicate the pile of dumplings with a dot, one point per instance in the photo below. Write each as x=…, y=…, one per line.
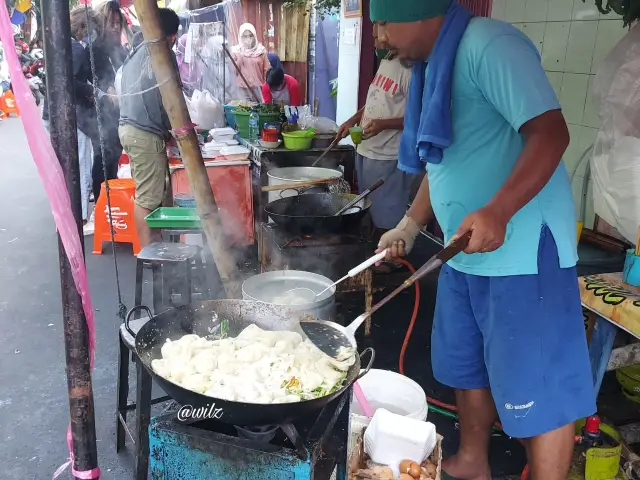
x=257, y=366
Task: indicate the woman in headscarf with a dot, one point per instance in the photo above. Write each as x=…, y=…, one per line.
x=251, y=58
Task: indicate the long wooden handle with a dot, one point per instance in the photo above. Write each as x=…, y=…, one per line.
x=638, y=243
x=287, y=186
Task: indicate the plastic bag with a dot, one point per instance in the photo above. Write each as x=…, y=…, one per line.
x=615, y=164
x=322, y=125
x=206, y=111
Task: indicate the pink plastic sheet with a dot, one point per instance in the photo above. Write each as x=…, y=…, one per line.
x=50, y=173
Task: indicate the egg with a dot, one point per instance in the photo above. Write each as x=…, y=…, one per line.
x=405, y=476
x=405, y=465
x=415, y=470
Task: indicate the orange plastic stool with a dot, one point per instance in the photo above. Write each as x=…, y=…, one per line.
x=122, y=192
x=8, y=104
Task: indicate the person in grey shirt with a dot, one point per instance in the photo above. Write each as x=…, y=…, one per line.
x=145, y=128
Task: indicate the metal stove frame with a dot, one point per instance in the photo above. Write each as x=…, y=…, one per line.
x=192, y=453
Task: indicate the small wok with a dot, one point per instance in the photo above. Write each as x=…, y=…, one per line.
x=316, y=213
x=206, y=319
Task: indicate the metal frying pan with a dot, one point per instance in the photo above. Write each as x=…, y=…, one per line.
x=209, y=318
x=330, y=337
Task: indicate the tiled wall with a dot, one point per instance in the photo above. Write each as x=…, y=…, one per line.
x=573, y=38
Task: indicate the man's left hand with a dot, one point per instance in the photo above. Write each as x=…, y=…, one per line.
x=374, y=127
x=488, y=228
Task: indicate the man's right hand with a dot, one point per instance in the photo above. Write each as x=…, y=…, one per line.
x=399, y=241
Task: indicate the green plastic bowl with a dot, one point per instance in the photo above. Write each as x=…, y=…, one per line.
x=300, y=140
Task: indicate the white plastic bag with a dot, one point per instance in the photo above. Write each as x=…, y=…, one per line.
x=615, y=164
x=322, y=125
x=206, y=112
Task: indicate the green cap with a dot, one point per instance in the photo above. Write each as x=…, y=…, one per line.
x=404, y=11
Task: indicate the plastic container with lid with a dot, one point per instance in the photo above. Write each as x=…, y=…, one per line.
x=391, y=438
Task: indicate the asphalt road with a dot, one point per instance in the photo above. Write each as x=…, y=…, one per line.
x=34, y=410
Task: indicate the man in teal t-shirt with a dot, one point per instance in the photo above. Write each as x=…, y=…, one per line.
x=508, y=332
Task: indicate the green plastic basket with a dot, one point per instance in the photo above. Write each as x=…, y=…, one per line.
x=300, y=140
x=174, y=217
x=242, y=121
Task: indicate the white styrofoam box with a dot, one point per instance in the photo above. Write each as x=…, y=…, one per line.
x=573, y=96
x=582, y=39
x=554, y=48
x=560, y=10
x=555, y=79
x=514, y=11
x=585, y=11
x=536, y=11
x=590, y=117
x=609, y=34
x=235, y=150
x=390, y=438
x=226, y=131
x=498, y=9
x=535, y=32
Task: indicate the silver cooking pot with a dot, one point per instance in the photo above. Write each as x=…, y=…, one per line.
x=268, y=286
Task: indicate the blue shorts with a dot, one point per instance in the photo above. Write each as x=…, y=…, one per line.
x=522, y=336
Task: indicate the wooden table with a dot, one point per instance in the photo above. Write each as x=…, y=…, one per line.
x=611, y=305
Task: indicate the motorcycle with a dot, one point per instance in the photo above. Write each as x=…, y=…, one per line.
x=35, y=75
x=36, y=86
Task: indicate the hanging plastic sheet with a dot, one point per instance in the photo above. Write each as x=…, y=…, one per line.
x=615, y=164
x=203, y=63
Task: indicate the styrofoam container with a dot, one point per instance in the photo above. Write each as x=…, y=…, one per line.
x=221, y=132
x=394, y=392
x=235, y=150
x=391, y=438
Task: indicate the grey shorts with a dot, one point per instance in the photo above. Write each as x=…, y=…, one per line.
x=389, y=202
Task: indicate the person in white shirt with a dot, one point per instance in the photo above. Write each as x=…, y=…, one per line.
x=382, y=119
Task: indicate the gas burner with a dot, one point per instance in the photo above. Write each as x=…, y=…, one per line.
x=329, y=255
x=308, y=449
x=258, y=434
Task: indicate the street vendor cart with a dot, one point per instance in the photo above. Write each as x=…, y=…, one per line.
x=612, y=307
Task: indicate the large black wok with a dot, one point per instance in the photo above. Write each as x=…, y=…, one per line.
x=315, y=213
x=205, y=319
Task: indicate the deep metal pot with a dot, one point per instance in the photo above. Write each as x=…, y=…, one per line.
x=265, y=287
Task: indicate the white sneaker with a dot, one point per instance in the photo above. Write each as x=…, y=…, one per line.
x=88, y=228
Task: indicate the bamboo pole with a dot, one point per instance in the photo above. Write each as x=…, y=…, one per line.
x=174, y=103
